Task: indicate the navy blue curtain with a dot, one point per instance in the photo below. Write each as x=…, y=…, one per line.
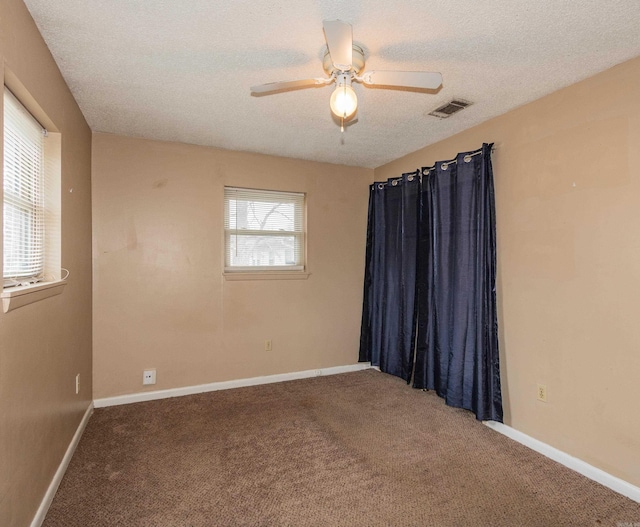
x=389, y=313
x=456, y=346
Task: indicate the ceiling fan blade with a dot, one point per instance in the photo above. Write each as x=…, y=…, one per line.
x=287, y=85
x=339, y=37
x=403, y=79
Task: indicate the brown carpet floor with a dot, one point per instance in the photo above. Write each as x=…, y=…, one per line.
x=359, y=449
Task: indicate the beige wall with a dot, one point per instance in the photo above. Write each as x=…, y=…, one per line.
x=567, y=174
x=45, y=344
x=160, y=299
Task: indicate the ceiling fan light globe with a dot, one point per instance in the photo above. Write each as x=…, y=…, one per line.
x=343, y=102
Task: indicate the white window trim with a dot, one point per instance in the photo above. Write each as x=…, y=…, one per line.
x=52, y=284
x=285, y=272
x=234, y=276
x=18, y=296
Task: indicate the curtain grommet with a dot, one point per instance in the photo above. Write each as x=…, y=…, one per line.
x=444, y=166
x=410, y=178
x=380, y=186
x=467, y=159
x=394, y=183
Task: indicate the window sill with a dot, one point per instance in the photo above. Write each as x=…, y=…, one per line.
x=15, y=297
x=266, y=275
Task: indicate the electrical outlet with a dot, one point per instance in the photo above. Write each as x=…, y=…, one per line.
x=149, y=377
x=267, y=345
x=542, y=393
x=77, y=384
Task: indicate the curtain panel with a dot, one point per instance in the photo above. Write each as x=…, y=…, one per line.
x=388, y=321
x=429, y=311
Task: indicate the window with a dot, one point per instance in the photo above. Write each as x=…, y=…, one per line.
x=264, y=230
x=23, y=212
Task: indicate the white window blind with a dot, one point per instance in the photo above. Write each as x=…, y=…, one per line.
x=23, y=211
x=264, y=230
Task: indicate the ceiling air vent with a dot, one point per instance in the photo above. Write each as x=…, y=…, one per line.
x=448, y=109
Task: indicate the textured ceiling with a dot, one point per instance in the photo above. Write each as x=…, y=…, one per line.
x=181, y=70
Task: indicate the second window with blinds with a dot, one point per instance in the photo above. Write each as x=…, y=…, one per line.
x=264, y=230
x=23, y=195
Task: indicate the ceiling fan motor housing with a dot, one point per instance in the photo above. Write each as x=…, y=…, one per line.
x=357, y=62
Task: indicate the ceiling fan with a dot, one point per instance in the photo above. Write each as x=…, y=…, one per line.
x=343, y=62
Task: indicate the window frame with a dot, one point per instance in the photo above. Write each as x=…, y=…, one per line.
x=299, y=199
x=50, y=282
x=31, y=202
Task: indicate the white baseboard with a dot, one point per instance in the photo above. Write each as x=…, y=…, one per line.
x=225, y=385
x=600, y=476
x=62, y=468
